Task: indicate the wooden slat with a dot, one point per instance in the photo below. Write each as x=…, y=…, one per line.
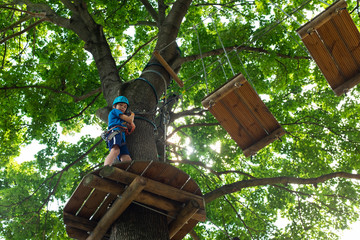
x=337, y=49
x=349, y=32
x=244, y=116
x=323, y=59
x=104, y=207
x=77, y=199
x=76, y=233
x=237, y=132
x=321, y=18
x=264, y=142
x=79, y=223
x=257, y=106
x=92, y=204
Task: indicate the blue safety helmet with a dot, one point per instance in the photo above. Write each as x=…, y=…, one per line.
x=121, y=99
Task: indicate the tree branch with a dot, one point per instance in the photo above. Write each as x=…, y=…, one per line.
x=191, y=125
x=75, y=98
x=136, y=51
x=22, y=31
x=151, y=10
x=81, y=112
x=190, y=112
x=237, y=186
x=220, y=51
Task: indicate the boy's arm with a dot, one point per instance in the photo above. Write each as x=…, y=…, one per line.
x=128, y=119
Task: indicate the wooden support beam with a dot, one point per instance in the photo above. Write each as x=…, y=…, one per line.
x=185, y=214
x=79, y=222
x=264, y=142
x=149, y=199
x=76, y=233
x=168, y=68
x=152, y=186
x=118, y=208
x=343, y=88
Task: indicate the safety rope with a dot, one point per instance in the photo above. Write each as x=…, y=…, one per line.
x=152, y=86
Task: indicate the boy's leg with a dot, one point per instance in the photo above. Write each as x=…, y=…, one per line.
x=125, y=158
x=124, y=153
x=114, y=152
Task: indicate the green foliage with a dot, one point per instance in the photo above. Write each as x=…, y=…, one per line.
x=46, y=74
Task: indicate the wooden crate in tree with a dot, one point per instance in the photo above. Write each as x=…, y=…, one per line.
x=333, y=41
x=242, y=113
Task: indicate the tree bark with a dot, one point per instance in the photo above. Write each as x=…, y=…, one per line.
x=139, y=223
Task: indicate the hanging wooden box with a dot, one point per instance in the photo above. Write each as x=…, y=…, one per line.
x=333, y=41
x=90, y=211
x=243, y=115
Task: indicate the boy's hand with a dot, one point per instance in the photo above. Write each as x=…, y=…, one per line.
x=131, y=127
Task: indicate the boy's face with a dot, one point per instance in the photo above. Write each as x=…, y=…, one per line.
x=121, y=106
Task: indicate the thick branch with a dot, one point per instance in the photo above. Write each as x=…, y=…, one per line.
x=76, y=98
x=190, y=112
x=151, y=10
x=237, y=186
x=191, y=125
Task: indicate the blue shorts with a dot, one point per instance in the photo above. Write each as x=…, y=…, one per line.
x=118, y=140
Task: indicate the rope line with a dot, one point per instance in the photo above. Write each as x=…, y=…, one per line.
x=222, y=45
x=202, y=61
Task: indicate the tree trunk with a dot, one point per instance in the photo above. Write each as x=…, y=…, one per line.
x=139, y=223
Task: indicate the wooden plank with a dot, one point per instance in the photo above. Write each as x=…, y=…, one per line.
x=323, y=59
x=264, y=142
x=243, y=114
x=258, y=107
x=92, y=204
x=235, y=129
x=110, y=198
x=77, y=199
x=337, y=48
x=168, y=68
x=152, y=186
x=79, y=222
x=76, y=233
x=185, y=215
x=223, y=91
x=322, y=18
x=349, y=32
x=118, y=208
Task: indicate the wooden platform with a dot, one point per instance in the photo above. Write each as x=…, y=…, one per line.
x=243, y=115
x=333, y=41
x=95, y=204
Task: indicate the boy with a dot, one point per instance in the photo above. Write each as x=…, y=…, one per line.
x=118, y=121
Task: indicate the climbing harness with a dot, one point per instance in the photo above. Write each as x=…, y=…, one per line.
x=107, y=135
